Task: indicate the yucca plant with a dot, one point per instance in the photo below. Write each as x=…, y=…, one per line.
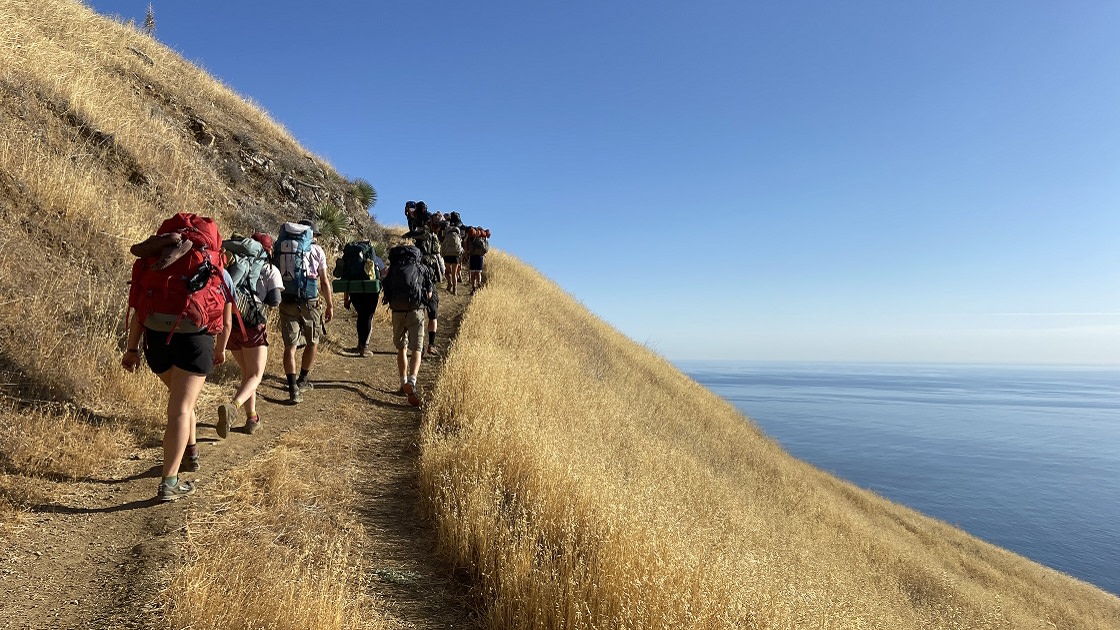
x=334, y=224
x=365, y=192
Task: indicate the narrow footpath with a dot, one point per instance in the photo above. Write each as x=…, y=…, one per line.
x=94, y=558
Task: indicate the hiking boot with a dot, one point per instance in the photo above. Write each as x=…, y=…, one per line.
x=225, y=413
x=190, y=464
x=294, y=396
x=410, y=391
x=177, y=491
x=252, y=424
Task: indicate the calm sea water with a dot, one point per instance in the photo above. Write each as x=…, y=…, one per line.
x=1025, y=458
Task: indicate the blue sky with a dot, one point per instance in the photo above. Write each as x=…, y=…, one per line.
x=856, y=181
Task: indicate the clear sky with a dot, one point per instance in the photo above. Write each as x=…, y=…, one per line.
x=807, y=180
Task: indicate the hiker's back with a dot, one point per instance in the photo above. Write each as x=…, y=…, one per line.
x=407, y=280
x=356, y=271
x=292, y=253
x=452, y=241
x=247, y=263
x=177, y=277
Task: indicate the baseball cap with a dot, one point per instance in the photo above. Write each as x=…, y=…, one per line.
x=314, y=228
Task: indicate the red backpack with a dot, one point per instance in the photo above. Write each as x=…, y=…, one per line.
x=178, y=274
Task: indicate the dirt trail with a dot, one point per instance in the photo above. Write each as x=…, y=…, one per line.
x=93, y=558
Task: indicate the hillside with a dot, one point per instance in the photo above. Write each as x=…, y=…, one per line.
x=587, y=483
x=561, y=476
x=106, y=132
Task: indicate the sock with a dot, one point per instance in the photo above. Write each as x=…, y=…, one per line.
x=404, y=379
x=303, y=375
x=291, y=383
x=192, y=451
x=431, y=338
x=171, y=482
x=412, y=380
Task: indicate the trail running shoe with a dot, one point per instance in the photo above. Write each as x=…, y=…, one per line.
x=294, y=396
x=305, y=383
x=177, y=491
x=190, y=464
x=252, y=424
x=410, y=391
x=226, y=413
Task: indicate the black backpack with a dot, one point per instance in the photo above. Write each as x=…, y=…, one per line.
x=357, y=261
x=403, y=289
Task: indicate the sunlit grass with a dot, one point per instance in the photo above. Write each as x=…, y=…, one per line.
x=586, y=483
x=282, y=551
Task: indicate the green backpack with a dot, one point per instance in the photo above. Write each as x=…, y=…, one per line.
x=356, y=271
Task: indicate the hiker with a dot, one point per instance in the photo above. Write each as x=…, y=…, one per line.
x=476, y=245
x=359, y=279
x=306, y=302
x=428, y=244
x=257, y=284
x=406, y=287
x=409, y=214
x=453, y=219
x=181, y=313
x=420, y=216
x=417, y=215
x=451, y=247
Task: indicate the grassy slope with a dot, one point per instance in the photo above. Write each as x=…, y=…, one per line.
x=589, y=484
x=105, y=133
x=585, y=481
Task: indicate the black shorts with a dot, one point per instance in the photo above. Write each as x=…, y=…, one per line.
x=475, y=263
x=451, y=260
x=432, y=304
x=190, y=352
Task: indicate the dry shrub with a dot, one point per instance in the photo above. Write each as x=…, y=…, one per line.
x=283, y=552
x=586, y=483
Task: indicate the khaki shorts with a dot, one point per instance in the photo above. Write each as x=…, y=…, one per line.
x=409, y=326
x=301, y=323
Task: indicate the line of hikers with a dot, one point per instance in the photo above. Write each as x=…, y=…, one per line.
x=193, y=296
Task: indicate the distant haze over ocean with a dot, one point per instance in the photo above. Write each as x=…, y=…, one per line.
x=1027, y=458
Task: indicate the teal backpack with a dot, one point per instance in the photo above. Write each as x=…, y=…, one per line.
x=292, y=254
x=247, y=260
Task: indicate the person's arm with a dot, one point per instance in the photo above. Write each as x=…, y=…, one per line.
x=222, y=338
x=273, y=286
x=273, y=297
x=131, y=357
x=325, y=285
x=325, y=291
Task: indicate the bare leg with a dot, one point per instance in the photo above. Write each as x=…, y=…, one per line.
x=183, y=390
x=252, y=362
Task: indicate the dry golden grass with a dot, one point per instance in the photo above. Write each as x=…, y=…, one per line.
x=586, y=483
x=281, y=551
x=96, y=149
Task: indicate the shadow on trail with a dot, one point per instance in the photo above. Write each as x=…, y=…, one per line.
x=151, y=473
x=49, y=508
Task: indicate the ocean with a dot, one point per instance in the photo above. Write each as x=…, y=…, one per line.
x=1027, y=458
